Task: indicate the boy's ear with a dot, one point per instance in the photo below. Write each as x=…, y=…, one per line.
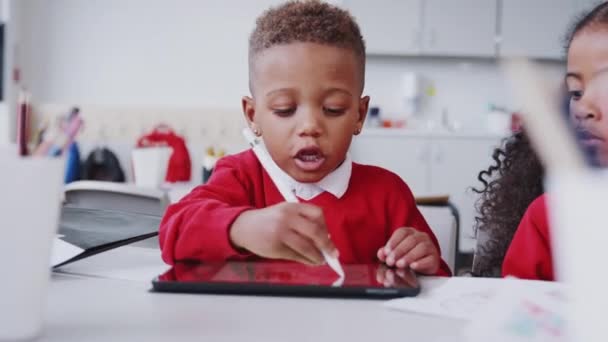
x=363, y=106
x=248, y=110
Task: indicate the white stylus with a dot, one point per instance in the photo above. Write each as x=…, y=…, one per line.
x=273, y=171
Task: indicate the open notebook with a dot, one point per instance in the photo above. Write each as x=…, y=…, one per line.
x=85, y=232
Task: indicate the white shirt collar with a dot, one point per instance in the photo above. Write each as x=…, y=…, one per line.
x=336, y=182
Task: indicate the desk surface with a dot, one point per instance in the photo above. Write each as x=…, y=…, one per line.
x=100, y=299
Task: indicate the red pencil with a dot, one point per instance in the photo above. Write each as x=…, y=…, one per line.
x=22, y=119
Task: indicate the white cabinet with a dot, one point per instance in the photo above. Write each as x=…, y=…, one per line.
x=432, y=165
x=459, y=28
x=585, y=6
x=389, y=27
x=427, y=27
x=535, y=28
x=455, y=164
x=467, y=28
x=406, y=156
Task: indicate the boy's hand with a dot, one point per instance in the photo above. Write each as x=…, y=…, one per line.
x=291, y=231
x=410, y=248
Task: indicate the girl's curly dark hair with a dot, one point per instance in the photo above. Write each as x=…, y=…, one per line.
x=509, y=185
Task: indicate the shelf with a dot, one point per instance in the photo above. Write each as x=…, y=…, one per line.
x=383, y=132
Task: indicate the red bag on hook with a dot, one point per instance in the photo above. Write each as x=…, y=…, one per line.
x=180, y=167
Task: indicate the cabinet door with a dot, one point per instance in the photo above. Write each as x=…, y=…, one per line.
x=405, y=156
x=460, y=28
x=535, y=28
x=389, y=27
x=584, y=6
x=455, y=163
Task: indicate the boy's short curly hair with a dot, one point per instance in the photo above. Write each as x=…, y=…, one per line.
x=307, y=21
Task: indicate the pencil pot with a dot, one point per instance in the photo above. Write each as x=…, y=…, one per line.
x=150, y=165
x=577, y=205
x=30, y=200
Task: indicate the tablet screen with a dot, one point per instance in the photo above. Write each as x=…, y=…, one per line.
x=291, y=274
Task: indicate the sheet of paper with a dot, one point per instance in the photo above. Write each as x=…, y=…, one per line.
x=126, y=263
x=456, y=297
x=63, y=251
x=522, y=313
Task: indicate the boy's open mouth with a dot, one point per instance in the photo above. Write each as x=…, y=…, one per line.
x=309, y=158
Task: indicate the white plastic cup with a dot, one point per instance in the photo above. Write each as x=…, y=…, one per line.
x=30, y=199
x=150, y=165
x=577, y=205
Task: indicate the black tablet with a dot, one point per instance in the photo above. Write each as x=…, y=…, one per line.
x=288, y=279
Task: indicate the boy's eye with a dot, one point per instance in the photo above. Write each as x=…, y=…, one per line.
x=284, y=112
x=576, y=94
x=334, y=111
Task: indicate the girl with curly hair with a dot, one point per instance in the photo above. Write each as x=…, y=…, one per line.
x=512, y=223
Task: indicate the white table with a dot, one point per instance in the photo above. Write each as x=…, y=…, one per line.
x=107, y=298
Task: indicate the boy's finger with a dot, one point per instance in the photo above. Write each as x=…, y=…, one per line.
x=402, y=249
x=316, y=231
x=311, y=212
x=303, y=246
x=420, y=250
x=428, y=264
x=396, y=238
x=290, y=254
x=381, y=254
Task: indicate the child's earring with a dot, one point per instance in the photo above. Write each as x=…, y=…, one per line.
x=256, y=131
x=357, y=131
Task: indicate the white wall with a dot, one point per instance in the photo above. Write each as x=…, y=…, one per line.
x=194, y=53
x=8, y=15
x=135, y=52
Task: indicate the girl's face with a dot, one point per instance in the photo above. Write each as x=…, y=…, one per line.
x=587, y=82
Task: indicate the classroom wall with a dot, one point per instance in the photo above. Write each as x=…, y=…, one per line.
x=194, y=53
x=7, y=121
x=153, y=52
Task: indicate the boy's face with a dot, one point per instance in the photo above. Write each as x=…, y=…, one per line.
x=587, y=81
x=306, y=105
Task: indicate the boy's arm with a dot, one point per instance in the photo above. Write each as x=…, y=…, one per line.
x=406, y=214
x=197, y=227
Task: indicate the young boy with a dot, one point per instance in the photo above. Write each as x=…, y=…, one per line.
x=306, y=77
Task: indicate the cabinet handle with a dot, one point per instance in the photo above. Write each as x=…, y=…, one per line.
x=432, y=38
x=438, y=155
x=424, y=153
x=417, y=39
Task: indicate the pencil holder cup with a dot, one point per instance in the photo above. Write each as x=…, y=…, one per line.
x=150, y=165
x=30, y=200
x=577, y=204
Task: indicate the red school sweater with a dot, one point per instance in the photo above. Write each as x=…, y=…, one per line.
x=529, y=255
x=376, y=203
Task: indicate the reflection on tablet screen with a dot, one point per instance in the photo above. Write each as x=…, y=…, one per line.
x=286, y=273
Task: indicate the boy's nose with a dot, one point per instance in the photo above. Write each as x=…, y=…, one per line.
x=310, y=125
